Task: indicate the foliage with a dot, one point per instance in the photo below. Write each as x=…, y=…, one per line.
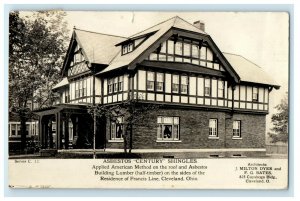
x=36, y=49
x=280, y=122
x=133, y=111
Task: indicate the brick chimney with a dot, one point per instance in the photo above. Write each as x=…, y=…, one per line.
x=200, y=25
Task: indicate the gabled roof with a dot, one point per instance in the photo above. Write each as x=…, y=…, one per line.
x=160, y=29
x=248, y=71
x=99, y=48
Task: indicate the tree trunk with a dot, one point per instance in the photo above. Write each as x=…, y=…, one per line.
x=125, y=139
x=23, y=133
x=130, y=139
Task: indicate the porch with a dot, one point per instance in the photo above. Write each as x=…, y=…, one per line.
x=67, y=126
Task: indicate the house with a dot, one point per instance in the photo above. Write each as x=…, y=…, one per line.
x=212, y=100
x=14, y=130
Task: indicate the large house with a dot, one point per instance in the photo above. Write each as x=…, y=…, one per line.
x=211, y=100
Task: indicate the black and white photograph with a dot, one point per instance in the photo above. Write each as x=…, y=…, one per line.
x=148, y=99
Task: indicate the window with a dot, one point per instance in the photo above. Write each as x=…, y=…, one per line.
x=213, y=128
x=19, y=129
x=110, y=86
x=127, y=48
x=120, y=85
x=207, y=87
x=13, y=129
x=84, y=88
x=195, y=51
x=175, y=84
x=124, y=49
x=76, y=90
x=130, y=47
x=255, y=94
x=116, y=130
x=221, y=89
x=178, y=48
x=236, y=129
x=160, y=82
x=116, y=84
x=170, y=47
x=186, y=49
x=150, y=81
x=168, y=128
x=80, y=89
x=184, y=84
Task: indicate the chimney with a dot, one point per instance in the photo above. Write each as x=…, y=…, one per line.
x=200, y=25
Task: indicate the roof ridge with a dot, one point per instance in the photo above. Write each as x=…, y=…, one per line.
x=190, y=24
x=243, y=57
x=100, y=33
x=152, y=26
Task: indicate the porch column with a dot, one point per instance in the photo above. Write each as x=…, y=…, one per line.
x=58, y=130
x=41, y=132
x=67, y=131
x=50, y=134
x=46, y=133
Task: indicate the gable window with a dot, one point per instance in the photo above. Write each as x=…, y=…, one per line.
x=207, y=87
x=255, y=94
x=213, y=128
x=167, y=128
x=116, y=84
x=159, y=82
x=110, y=86
x=236, y=129
x=150, y=81
x=184, y=84
x=116, y=130
x=221, y=89
x=178, y=48
x=187, y=49
x=175, y=84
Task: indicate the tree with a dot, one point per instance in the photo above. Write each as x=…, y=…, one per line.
x=280, y=122
x=133, y=111
x=36, y=49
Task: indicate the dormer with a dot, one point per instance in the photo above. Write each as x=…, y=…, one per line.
x=133, y=42
x=127, y=47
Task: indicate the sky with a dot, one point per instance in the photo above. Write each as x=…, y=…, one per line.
x=262, y=37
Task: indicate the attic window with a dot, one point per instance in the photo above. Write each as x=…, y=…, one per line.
x=126, y=48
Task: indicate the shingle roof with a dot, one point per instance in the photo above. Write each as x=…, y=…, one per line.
x=248, y=71
x=99, y=48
